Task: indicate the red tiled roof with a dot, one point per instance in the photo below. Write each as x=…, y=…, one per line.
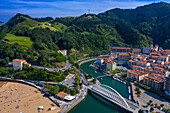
x=18, y=60
x=123, y=54
x=61, y=50
x=155, y=56
x=62, y=94
x=137, y=72
x=27, y=63
x=159, y=68
x=132, y=60
x=99, y=59
x=111, y=57
x=167, y=62
x=155, y=53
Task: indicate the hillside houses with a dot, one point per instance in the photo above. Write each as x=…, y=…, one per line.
x=18, y=63
x=64, y=52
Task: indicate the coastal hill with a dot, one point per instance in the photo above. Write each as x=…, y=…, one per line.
x=90, y=33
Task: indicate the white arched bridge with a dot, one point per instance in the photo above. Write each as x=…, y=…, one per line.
x=112, y=95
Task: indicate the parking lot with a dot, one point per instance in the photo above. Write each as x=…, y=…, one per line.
x=69, y=81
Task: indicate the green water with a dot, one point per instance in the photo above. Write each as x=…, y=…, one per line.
x=96, y=104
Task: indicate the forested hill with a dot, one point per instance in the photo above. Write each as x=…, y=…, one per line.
x=92, y=33
x=152, y=20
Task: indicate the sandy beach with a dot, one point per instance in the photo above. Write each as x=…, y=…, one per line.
x=21, y=98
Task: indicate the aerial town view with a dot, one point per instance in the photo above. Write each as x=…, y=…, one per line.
x=83, y=56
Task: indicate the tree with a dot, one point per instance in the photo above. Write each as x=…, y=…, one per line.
x=73, y=92
x=54, y=90
x=150, y=101
x=137, y=88
x=141, y=111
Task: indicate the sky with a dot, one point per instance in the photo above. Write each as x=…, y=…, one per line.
x=63, y=8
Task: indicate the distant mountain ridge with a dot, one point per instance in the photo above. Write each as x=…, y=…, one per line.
x=92, y=33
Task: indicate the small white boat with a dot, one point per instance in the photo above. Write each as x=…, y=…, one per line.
x=95, y=71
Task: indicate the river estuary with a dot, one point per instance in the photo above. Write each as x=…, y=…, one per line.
x=96, y=104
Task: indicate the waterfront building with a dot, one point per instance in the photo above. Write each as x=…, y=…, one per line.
x=146, y=50
x=154, y=81
x=64, y=96
x=156, y=65
x=167, y=85
x=18, y=63
x=123, y=58
x=99, y=60
x=116, y=50
x=64, y=52
x=111, y=65
x=136, y=74
x=110, y=58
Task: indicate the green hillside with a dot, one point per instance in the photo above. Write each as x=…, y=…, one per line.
x=21, y=40
x=93, y=34
x=152, y=20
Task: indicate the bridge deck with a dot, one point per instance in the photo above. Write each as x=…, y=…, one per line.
x=115, y=98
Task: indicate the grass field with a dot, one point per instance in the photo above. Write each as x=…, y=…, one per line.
x=21, y=40
x=53, y=27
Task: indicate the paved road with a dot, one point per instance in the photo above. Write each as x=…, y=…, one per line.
x=68, y=66
x=147, y=95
